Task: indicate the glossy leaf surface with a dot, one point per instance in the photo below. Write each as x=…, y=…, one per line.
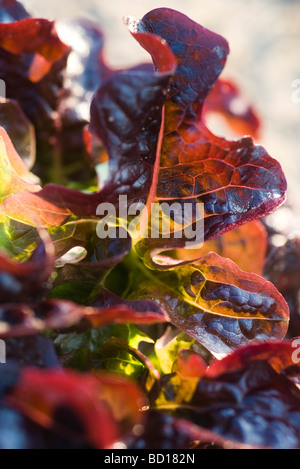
x=219, y=305
x=235, y=181
x=278, y=354
x=255, y=406
x=155, y=136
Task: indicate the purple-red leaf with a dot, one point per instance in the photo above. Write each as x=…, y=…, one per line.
x=254, y=405
x=278, y=354
x=32, y=58
x=84, y=73
x=246, y=397
x=236, y=181
x=218, y=304
x=102, y=255
x=35, y=350
x=151, y=125
x=283, y=265
x=19, y=320
x=51, y=398
x=162, y=431
x=109, y=308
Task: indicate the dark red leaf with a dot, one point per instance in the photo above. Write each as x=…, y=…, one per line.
x=235, y=181
x=32, y=35
x=54, y=204
x=43, y=395
x=21, y=320
x=9, y=377
x=283, y=269
x=283, y=265
x=151, y=126
x=292, y=299
x=254, y=405
x=102, y=256
x=85, y=72
x=218, y=304
x=22, y=433
x=32, y=59
x=278, y=354
x=110, y=308
x=140, y=94
x=167, y=433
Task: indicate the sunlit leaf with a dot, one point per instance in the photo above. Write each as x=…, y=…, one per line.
x=246, y=246
x=20, y=131
x=15, y=177
x=218, y=304
x=235, y=181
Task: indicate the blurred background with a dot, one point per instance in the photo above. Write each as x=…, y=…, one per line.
x=264, y=37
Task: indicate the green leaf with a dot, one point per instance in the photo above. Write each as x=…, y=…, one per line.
x=169, y=345
x=112, y=348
